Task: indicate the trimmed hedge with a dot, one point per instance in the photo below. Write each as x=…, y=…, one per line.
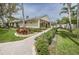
x=43, y=42
x=42, y=47
x=32, y=30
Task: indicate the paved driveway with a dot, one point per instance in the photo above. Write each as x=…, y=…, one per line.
x=23, y=47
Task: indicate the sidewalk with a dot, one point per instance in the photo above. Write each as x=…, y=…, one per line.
x=22, y=47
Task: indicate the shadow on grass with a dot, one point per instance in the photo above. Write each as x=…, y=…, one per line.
x=3, y=31
x=66, y=34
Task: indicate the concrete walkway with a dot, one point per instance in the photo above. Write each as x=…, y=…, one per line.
x=23, y=47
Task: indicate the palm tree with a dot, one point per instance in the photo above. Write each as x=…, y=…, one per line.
x=69, y=14
x=70, y=11
x=65, y=10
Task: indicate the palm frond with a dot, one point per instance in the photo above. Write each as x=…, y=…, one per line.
x=63, y=12
x=74, y=6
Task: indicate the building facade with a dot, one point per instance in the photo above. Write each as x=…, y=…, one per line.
x=41, y=22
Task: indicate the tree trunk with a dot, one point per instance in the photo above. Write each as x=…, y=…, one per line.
x=78, y=15
x=69, y=14
x=77, y=20
x=23, y=15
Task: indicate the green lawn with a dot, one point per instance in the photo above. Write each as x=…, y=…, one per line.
x=76, y=32
x=67, y=43
x=7, y=35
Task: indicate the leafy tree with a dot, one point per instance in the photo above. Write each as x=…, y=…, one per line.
x=12, y=8
x=65, y=20
x=74, y=20
x=6, y=12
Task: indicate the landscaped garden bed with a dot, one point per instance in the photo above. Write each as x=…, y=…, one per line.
x=43, y=42
x=8, y=35
x=66, y=42
x=26, y=31
x=33, y=30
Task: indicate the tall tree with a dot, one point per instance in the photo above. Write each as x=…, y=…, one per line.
x=70, y=10
x=69, y=14
x=65, y=10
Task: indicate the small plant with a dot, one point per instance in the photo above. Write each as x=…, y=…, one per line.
x=49, y=36
x=22, y=31
x=42, y=47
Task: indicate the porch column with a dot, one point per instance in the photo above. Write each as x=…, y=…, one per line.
x=38, y=23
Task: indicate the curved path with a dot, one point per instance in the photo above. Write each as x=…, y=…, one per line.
x=23, y=47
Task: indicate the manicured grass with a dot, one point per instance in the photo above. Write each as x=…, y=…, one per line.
x=7, y=35
x=76, y=32
x=67, y=43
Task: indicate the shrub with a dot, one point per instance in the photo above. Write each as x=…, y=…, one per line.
x=49, y=36
x=43, y=42
x=42, y=47
x=22, y=31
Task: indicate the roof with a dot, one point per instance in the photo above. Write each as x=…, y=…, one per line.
x=36, y=18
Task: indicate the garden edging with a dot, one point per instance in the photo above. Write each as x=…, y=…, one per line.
x=34, y=51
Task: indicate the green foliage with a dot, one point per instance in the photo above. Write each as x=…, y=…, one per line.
x=74, y=20
x=66, y=43
x=32, y=30
x=42, y=47
x=76, y=32
x=49, y=36
x=65, y=10
x=43, y=41
x=65, y=20
x=7, y=10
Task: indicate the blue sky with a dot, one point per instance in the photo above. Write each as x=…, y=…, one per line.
x=40, y=9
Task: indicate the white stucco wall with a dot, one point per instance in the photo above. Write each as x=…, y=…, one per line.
x=67, y=26
x=31, y=24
